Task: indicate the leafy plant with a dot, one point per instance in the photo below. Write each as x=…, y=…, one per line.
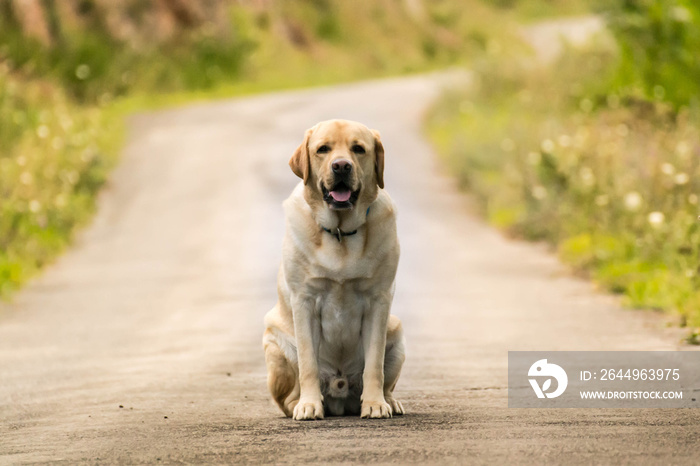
x=659, y=41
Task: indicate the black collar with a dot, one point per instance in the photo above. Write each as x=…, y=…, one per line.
x=338, y=233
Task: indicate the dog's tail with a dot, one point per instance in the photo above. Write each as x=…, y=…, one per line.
x=338, y=387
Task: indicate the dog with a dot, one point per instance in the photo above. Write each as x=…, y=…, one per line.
x=331, y=345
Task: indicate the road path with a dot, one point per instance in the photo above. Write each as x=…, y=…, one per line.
x=143, y=343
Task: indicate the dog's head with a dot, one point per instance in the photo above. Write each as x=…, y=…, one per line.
x=340, y=162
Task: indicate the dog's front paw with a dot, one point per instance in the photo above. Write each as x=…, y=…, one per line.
x=308, y=409
x=376, y=409
x=396, y=406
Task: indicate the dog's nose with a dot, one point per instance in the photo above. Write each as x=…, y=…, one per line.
x=341, y=167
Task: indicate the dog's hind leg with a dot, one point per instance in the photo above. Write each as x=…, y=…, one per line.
x=282, y=380
x=394, y=357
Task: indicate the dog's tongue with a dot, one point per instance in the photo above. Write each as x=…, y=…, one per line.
x=341, y=195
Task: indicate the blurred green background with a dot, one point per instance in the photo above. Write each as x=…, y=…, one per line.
x=596, y=154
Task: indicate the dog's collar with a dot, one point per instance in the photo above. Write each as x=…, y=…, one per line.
x=338, y=233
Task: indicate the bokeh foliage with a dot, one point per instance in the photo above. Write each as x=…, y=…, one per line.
x=51, y=166
x=659, y=48
x=598, y=155
x=87, y=61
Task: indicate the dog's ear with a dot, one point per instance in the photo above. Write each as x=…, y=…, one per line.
x=378, y=158
x=300, y=163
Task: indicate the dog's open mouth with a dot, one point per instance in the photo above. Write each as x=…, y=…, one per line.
x=341, y=196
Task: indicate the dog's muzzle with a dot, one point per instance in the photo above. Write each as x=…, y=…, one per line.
x=340, y=195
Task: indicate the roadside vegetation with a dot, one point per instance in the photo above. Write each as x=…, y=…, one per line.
x=597, y=154
x=71, y=71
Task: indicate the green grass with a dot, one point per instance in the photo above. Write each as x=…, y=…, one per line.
x=610, y=180
x=55, y=157
x=658, y=40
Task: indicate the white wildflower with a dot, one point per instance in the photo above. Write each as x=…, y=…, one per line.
x=564, y=140
x=633, y=200
x=681, y=178
x=66, y=122
x=692, y=199
x=42, y=131
x=26, y=178
x=668, y=169
x=34, y=205
x=587, y=176
x=539, y=192
x=656, y=219
x=82, y=71
x=60, y=200
x=71, y=176
x=547, y=145
x=88, y=154
x=681, y=14
x=683, y=149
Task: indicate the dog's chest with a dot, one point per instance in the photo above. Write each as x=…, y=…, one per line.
x=340, y=308
x=344, y=262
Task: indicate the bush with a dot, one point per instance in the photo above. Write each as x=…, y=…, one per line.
x=660, y=48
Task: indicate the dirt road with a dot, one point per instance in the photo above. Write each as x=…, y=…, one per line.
x=143, y=344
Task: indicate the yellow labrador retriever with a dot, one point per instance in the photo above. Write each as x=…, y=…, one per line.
x=331, y=345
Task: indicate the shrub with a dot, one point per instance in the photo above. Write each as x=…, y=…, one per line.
x=660, y=45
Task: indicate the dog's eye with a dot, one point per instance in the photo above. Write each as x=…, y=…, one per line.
x=358, y=149
x=324, y=149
